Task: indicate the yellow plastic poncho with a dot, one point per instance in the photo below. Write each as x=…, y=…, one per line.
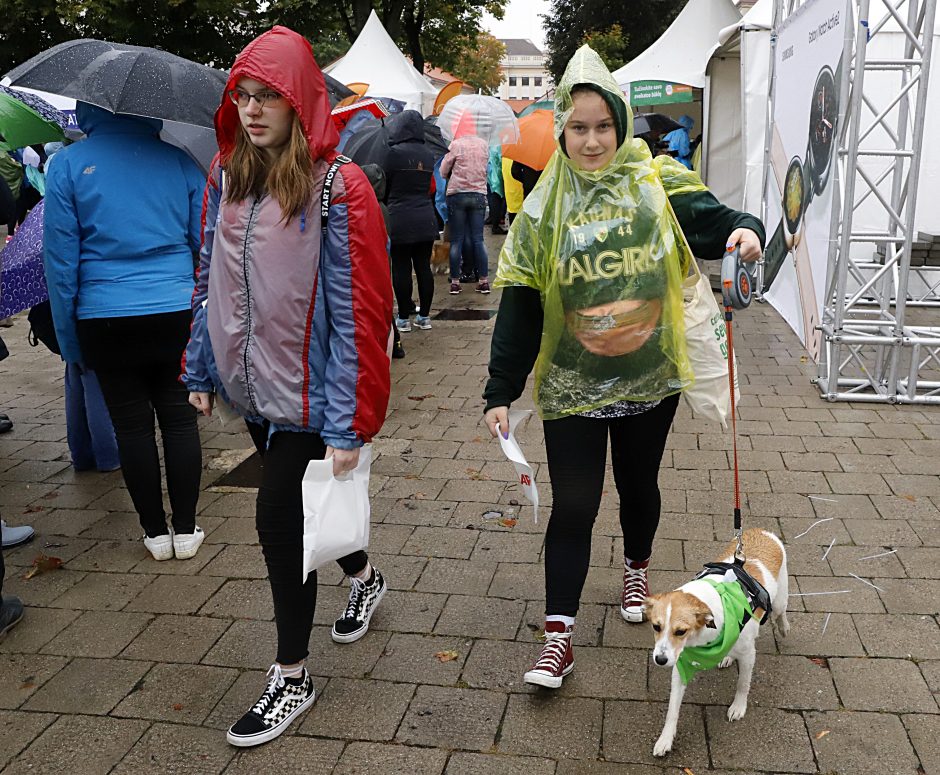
x=607, y=255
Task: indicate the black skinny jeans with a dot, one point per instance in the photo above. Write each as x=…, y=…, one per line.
x=406, y=255
x=132, y=396
x=279, y=517
x=577, y=456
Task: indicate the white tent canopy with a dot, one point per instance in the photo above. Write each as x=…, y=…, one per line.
x=683, y=51
x=375, y=59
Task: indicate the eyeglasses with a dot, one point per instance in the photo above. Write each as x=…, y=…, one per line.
x=242, y=98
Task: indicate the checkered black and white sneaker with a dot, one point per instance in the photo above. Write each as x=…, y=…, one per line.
x=364, y=598
x=280, y=704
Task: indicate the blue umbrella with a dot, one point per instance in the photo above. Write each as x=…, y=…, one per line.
x=22, y=280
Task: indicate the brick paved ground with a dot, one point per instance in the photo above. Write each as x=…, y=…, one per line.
x=124, y=665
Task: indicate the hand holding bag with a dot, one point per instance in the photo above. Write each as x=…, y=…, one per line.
x=707, y=345
x=336, y=511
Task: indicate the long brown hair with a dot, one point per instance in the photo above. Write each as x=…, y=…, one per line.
x=289, y=180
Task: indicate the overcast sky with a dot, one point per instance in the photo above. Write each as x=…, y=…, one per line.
x=521, y=21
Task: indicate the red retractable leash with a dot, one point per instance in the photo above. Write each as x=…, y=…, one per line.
x=737, y=287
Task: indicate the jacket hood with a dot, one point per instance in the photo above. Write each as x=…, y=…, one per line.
x=376, y=176
x=283, y=60
x=91, y=118
x=588, y=69
x=407, y=126
x=687, y=122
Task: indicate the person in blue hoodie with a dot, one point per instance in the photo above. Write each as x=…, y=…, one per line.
x=679, y=140
x=121, y=225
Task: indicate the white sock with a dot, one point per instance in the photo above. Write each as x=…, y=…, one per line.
x=364, y=574
x=292, y=672
x=568, y=621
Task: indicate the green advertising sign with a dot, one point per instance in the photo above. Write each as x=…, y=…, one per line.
x=658, y=92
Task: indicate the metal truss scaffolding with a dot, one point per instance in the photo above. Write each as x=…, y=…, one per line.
x=879, y=344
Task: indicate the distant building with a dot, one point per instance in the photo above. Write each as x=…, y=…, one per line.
x=525, y=77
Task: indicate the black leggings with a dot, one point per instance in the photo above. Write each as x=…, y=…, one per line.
x=577, y=458
x=406, y=255
x=279, y=517
x=132, y=394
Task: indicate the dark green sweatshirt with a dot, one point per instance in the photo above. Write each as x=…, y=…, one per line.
x=518, y=331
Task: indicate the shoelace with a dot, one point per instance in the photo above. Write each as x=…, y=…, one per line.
x=553, y=652
x=634, y=584
x=275, y=682
x=356, y=596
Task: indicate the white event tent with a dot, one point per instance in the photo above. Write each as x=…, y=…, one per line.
x=375, y=59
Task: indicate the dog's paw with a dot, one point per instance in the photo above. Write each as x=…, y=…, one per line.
x=663, y=746
x=783, y=626
x=726, y=662
x=737, y=709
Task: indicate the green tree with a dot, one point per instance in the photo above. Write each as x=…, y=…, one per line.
x=569, y=21
x=479, y=64
x=28, y=27
x=610, y=44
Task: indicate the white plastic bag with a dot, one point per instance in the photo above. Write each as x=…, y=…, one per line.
x=513, y=452
x=707, y=345
x=336, y=511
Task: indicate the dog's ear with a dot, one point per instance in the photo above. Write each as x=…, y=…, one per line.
x=706, y=620
x=649, y=602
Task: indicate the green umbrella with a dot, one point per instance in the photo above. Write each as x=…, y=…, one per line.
x=22, y=125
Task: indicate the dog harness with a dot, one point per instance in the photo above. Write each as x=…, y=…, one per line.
x=738, y=612
x=757, y=595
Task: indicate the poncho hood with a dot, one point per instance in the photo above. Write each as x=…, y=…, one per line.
x=283, y=60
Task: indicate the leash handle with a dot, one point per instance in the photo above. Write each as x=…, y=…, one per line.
x=728, y=298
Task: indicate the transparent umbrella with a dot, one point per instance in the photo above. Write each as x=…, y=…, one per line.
x=476, y=114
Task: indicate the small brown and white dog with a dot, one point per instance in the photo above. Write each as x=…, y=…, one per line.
x=694, y=616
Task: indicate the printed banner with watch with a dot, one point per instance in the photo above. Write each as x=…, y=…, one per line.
x=800, y=193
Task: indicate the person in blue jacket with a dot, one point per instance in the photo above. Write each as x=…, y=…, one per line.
x=121, y=225
x=679, y=140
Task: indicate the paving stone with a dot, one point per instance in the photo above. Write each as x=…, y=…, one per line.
x=882, y=532
x=499, y=665
x=843, y=506
x=456, y=576
x=104, y=591
x=849, y=559
x=177, y=693
x=87, y=744
x=412, y=511
x=112, y=556
x=23, y=675
x=245, y=562
x=114, y=525
x=896, y=635
x=381, y=759
x=241, y=696
x=632, y=728
x=246, y=644
x=482, y=764
x=92, y=686
x=927, y=531
x=98, y=634
x=606, y=673
x=443, y=717
x=807, y=638
x=924, y=733
x=172, y=638
x=175, y=594
x=920, y=562
x=350, y=660
x=859, y=598
x=575, y=726
x=411, y=659
x=287, y=756
x=380, y=706
x=43, y=589
x=477, y=617
x=789, y=749
x=39, y=626
x=861, y=743
x=389, y=539
x=18, y=730
x=889, y=685
x=400, y=612
x=182, y=750
x=910, y=596
x=235, y=531
x=441, y=542
x=241, y=599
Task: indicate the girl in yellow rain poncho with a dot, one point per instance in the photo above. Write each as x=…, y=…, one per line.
x=591, y=274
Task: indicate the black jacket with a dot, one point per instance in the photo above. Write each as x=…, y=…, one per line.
x=409, y=172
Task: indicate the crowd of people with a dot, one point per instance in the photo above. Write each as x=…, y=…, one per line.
x=292, y=319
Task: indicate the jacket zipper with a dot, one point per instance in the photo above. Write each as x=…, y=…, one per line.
x=248, y=228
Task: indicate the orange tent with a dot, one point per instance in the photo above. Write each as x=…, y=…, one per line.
x=536, y=140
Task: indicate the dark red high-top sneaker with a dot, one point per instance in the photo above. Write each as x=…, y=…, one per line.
x=556, y=659
x=635, y=590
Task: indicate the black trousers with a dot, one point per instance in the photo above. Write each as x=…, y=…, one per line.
x=497, y=209
x=577, y=458
x=279, y=517
x=138, y=381
x=406, y=255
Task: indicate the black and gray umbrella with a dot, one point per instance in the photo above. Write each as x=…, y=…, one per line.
x=336, y=91
x=644, y=123
x=132, y=80
x=370, y=144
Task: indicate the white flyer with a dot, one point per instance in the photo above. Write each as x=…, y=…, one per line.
x=513, y=452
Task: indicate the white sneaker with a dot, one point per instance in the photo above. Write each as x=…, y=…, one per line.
x=160, y=547
x=185, y=545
